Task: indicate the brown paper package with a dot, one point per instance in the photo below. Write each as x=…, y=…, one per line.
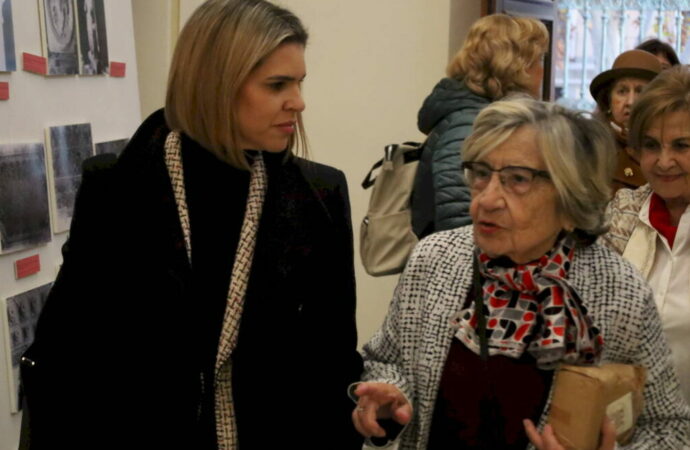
x=582, y=395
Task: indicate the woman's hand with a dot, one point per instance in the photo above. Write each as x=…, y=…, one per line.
x=379, y=401
x=547, y=440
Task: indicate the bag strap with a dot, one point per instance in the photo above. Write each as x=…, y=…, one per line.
x=390, y=149
x=368, y=181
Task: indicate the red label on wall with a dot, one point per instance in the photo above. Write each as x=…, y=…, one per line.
x=27, y=266
x=117, y=69
x=4, y=90
x=34, y=63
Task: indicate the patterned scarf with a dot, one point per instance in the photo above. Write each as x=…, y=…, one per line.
x=532, y=307
x=226, y=427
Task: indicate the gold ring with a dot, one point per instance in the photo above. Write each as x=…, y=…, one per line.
x=360, y=409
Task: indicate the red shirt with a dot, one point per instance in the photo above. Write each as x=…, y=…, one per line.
x=660, y=218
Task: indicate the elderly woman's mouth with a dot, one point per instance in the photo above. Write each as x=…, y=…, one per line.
x=667, y=178
x=487, y=227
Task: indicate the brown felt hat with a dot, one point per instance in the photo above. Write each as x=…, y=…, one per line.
x=633, y=63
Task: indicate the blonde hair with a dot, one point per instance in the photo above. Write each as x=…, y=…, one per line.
x=496, y=54
x=668, y=92
x=221, y=44
x=578, y=150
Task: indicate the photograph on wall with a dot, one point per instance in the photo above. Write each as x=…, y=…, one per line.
x=68, y=147
x=58, y=31
x=8, y=62
x=20, y=316
x=93, y=41
x=115, y=147
x=24, y=211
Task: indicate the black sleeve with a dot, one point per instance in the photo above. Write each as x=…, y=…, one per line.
x=59, y=370
x=339, y=360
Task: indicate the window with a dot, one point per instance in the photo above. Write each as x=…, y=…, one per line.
x=591, y=33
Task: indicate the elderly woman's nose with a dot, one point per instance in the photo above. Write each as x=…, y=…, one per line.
x=666, y=159
x=631, y=97
x=492, y=196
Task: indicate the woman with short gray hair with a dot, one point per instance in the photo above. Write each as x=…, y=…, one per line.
x=483, y=314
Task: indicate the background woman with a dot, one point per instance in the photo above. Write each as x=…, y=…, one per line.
x=615, y=91
x=483, y=314
x=208, y=275
x=500, y=55
x=651, y=225
x=664, y=53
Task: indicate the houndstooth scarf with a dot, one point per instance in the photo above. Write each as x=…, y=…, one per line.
x=532, y=307
x=226, y=428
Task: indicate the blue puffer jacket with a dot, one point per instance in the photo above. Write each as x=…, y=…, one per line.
x=446, y=117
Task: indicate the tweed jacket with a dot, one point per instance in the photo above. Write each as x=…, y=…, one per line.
x=446, y=117
x=623, y=215
x=119, y=344
x=410, y=348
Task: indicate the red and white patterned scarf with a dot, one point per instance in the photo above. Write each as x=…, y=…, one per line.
x=532, y=307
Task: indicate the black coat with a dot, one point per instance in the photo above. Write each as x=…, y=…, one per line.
x=116, y=352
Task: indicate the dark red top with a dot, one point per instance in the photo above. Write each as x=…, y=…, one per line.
x=660, y=218
x=481, y=404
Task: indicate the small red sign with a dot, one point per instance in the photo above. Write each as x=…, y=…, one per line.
x=117, y=69
x=27, y=266
x=34, y=63
x=4, y=90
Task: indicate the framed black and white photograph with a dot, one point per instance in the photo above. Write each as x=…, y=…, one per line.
x=21, y=313
x=115, y=147
x=59, y=36
x=8, y=61
x=93, y=41
x=69, y=146
x=24, y=211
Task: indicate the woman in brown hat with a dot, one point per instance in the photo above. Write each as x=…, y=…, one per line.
x=615, y=91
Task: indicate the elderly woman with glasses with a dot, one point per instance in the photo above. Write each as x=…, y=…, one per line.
x=483, y=314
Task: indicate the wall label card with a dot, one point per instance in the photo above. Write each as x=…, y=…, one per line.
x=117, y=69
x=27, y=266
x=34, y=63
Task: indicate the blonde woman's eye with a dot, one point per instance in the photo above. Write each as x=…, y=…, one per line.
x=277, y=86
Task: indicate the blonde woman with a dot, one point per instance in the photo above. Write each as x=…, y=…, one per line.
x=501, y=55
x=208, y=281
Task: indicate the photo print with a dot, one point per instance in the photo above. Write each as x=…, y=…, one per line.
x=59, y=36
x=8, y=62
x=24, y=211
x=115, y=147
x=69, y=146
x=93, y=42
x=21, y=314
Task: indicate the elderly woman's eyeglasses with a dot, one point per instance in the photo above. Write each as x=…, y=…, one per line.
x=515, y=179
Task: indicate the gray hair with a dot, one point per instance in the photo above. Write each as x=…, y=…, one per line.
x=578, y=150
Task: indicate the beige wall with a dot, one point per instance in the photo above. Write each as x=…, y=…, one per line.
x=155, y=29
x=370, y=63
